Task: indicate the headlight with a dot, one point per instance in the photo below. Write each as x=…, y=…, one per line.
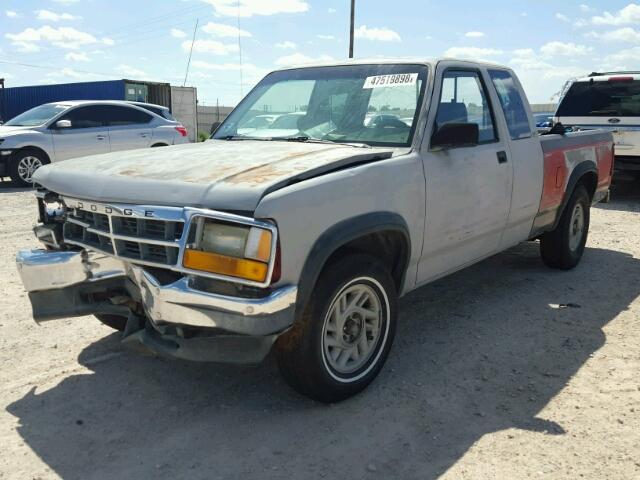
x=233, y=250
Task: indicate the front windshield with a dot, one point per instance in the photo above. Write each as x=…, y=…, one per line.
x=36, y=116
x=371, y=104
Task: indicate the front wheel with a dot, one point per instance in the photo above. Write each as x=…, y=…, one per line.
x=342, y=339
x=24, y=164
x=563, y=247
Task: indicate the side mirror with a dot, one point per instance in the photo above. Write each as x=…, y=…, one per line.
x=453, y=135
x=63, y=124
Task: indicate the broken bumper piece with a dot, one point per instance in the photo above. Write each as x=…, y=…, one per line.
x=172, y=319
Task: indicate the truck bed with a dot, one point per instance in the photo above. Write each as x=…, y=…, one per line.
x=563, y=154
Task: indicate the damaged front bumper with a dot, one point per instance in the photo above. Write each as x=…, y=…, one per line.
x=171, y=318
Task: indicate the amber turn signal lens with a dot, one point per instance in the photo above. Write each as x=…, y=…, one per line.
x=224, y=265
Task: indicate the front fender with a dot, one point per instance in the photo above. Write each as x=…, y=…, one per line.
x=29, y=139
x=317, y=216
x=341, y=234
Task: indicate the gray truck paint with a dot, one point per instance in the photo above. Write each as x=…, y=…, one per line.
x=218, y=174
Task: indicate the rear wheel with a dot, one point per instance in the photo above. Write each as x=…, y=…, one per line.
x=24, y=164
x=563, y=247
x=114, y=321
x=342, y=339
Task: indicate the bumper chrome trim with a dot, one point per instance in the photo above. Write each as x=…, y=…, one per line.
x=178, y=303
x=47, y=273
x=49, y=269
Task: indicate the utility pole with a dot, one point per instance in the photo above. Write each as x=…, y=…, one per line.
x=353, y=16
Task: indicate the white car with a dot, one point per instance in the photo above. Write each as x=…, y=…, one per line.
x=68, y=129
x=609, y=101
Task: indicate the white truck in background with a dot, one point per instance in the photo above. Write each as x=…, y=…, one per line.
x=607, y=101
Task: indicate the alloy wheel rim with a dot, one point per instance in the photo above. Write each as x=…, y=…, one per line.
x=352, y=328
x=27, y=167
x=576, y=227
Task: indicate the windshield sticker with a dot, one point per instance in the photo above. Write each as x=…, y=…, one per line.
x=393, y=80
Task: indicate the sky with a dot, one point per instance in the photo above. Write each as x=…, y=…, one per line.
x=546, y=42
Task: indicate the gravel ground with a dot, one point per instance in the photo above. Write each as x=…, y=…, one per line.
x=505, y=370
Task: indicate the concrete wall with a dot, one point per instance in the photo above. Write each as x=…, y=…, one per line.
x=543, y=107
x=183, y=108
x=208, y=115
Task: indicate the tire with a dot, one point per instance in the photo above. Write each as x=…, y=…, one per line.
x=310, y=355
x=23, y=164
x=563, y=247
x=114, y=321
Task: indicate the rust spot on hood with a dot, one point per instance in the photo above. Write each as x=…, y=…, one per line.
x=268, y=172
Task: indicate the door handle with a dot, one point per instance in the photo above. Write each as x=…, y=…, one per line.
x=144, y=135
x=101, y=137
x=502, y=157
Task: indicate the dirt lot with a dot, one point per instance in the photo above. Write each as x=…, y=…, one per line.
x=506, y=370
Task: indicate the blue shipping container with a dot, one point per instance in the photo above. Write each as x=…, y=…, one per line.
x=15, y=100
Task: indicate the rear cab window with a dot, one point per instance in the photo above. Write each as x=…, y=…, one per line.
x=512, y=104
x=613, y=97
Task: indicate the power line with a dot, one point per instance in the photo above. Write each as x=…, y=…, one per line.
x=170, y=15
x=49, y=67
x=92, y=72
x=132, y=34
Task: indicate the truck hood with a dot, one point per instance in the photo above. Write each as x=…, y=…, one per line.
x=217, y=174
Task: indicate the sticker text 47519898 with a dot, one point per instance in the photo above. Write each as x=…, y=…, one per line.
x=392, y=80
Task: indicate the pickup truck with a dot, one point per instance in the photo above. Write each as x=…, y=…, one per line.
x=607, y=101
x=302, y=244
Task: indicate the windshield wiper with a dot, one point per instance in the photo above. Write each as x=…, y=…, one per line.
x=242, y=137
x=306, y=139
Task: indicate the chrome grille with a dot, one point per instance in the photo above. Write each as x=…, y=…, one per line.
x=140, y=240
x=149, y=235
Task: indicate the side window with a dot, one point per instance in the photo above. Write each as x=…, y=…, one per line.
x=464, y=100
x=512, y=104
x=118, y=116
x=84, y=117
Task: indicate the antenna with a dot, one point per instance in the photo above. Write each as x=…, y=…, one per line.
x=240, y=51
x=193, y=40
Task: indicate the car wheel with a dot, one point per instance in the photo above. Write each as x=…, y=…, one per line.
x=114, y=321
x=563, y=247
x=341, y=340
x=24, y=164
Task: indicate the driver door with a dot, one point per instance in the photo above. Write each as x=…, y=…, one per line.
x=88, y=134
x=468, y=188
